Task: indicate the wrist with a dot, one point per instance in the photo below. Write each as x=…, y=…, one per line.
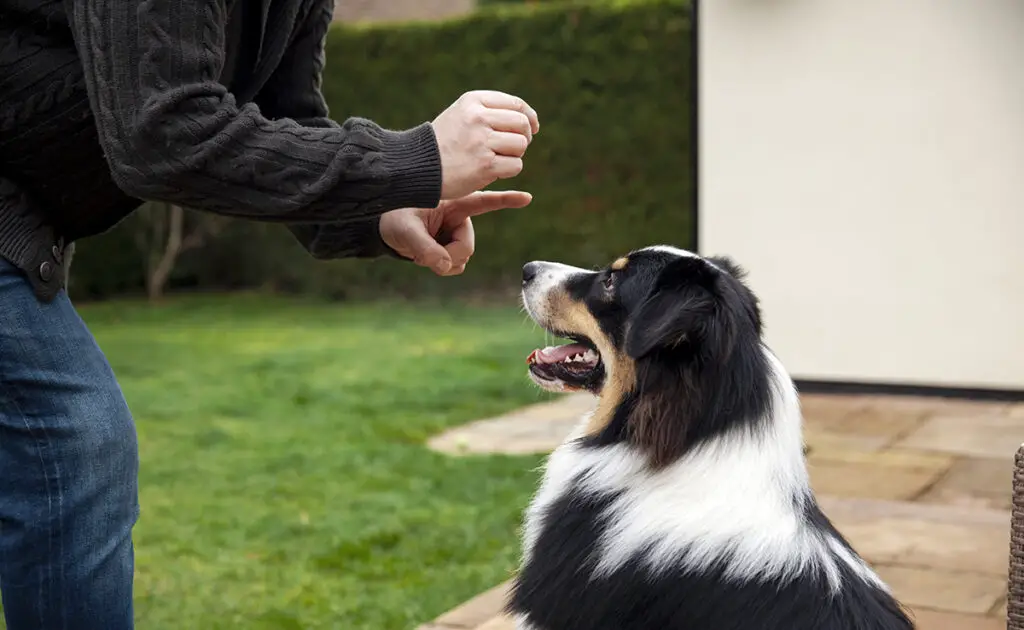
x=412, y=162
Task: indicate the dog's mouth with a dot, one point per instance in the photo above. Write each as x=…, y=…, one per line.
x=572, y=366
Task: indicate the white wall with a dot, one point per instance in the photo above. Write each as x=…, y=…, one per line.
x=865, y=161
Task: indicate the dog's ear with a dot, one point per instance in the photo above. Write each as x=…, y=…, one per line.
x=683, y=307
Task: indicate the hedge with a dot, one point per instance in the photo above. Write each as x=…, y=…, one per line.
x=611, y=169
x=484, y=3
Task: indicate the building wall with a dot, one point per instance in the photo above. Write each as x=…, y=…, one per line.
x=865, y=160
x=400, y=10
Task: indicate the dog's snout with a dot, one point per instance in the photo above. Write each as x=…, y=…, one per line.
x=530, y=271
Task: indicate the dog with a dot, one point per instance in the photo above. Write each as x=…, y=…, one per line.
x=682, y=502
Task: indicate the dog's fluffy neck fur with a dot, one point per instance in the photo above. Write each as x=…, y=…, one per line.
x=737, y=493
x=736, y=503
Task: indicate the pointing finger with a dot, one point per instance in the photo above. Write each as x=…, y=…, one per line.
x=483, y=202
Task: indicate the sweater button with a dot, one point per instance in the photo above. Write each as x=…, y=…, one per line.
x=46, y=271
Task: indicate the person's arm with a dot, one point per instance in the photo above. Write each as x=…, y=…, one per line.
x=294, y=91
x=172, y=132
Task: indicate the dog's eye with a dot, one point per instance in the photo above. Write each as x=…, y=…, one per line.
x=608, y=282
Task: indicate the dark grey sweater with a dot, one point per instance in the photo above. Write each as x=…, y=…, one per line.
x=193, y=102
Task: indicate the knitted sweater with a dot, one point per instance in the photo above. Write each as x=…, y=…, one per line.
x=104, y=103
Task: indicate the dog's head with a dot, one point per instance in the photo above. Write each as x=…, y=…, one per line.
x=661, y=335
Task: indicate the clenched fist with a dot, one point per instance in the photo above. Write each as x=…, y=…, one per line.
x=482, y=137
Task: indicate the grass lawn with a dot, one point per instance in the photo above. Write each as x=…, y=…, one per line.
x=285, y=483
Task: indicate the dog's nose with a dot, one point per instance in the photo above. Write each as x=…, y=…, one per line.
x=530, y=272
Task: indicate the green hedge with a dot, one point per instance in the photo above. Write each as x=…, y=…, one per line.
x=484, y=3
x=610, y=170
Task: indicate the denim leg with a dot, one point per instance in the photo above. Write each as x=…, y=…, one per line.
x=68, y=470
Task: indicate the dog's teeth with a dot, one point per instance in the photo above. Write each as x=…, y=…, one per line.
x=590, y=356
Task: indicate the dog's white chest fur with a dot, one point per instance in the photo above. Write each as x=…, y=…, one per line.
x=735, y=502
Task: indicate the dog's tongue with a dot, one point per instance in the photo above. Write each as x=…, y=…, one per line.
x=556, y=354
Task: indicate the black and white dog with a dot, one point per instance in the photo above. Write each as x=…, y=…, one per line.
x=682, y=502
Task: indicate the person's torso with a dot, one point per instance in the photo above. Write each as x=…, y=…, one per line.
x=48, y=141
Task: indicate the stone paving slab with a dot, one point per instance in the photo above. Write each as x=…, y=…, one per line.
x=535, y=429
x=887, y=475
x=934, y=620
x=920, y=486
x=476, y=611
x=817, y=439
x=975, y=435
x=499, y=623
x=867, y=423
x=1000, y=610
x=975, y=482
x=862, y=420
x=948, y=591
x=925, y=620
x=946, y=538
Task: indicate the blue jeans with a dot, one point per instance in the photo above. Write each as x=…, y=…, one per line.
x=68, y=470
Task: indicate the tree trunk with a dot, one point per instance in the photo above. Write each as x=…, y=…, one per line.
x=160, y=272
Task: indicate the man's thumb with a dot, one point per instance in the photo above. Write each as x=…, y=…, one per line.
x=427, y=252
x=443, y=265
x=435, y=257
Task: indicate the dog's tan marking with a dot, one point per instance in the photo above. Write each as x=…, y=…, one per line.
x=620, y=379
x=620, y=376
x=620, y=264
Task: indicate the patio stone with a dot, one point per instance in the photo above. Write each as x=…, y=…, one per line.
x=948, y=546
x=986, y=436
x=862, y=510
x=943, y=590
x=889, y=458
x=933, y=620
x=936, y=405
x=817, y=439
x=498, y=623
x=830, y=409
x=865, y=420
x=476, y=611
x=944, y=537
x=999, y=612
x=975, y=481
x=926, y=620
x=885, y=475
x=920, y=487
x=535, y=429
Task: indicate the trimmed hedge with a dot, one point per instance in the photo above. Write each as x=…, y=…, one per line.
x=610, y=170
x=484, y=3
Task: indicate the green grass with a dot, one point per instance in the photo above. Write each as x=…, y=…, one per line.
x=285, y=481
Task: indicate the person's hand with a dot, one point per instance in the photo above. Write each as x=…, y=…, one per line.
x=482, y=137
x=442, y=238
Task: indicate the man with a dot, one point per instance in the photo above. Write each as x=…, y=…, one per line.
x=210, y=105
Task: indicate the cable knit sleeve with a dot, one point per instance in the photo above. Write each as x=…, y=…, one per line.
x=172, y=132
x=295, y=91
